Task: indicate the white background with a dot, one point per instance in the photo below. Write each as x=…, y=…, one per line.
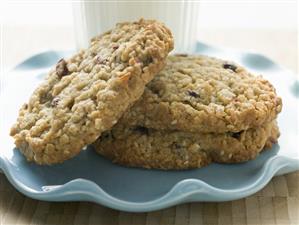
x=28, y=27
x=213, y=14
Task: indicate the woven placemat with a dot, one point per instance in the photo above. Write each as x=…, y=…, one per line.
x=277, y=203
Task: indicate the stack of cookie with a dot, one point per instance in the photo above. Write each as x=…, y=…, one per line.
x=143, y=108
x=197, y=110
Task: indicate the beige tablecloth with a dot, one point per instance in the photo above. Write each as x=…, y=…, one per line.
x=277, y=203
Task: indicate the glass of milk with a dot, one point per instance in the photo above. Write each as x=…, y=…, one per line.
x=94, y=17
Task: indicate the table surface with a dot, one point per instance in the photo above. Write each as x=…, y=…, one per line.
x=277, y=203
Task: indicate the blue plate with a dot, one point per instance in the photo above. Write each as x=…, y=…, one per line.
x=89, y=177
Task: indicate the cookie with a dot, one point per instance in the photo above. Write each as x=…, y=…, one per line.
x=162, y=149
x=87, y=93
x=204, y=94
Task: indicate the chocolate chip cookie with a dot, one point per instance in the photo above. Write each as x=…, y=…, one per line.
x=162, y=149
x=86, y=94
x=204, y=94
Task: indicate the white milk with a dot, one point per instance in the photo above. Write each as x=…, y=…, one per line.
x=92, y=18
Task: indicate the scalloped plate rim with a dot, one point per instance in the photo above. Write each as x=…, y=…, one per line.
x=90, y=191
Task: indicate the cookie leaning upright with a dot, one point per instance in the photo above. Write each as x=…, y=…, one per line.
x=86, y=94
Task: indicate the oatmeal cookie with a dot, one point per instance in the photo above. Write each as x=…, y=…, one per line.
x=163, y=149
x=87, y=93
x=204, y=94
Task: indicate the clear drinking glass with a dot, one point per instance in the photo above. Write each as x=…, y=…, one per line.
x=92, y=18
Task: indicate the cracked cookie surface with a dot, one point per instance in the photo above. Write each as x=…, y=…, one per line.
x=87, y=93
x=162, y=149
x=204, y=94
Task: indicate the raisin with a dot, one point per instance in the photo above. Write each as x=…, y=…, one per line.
x=230, y=67
x=142, y=130
x=176, y=145
x=193, y=94
x=236, y=135
x=115, y=46
x=61, y=68
x=55, y=101
x=182, y=55
x=148, y=60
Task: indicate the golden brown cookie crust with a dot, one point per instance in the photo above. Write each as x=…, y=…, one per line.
x=204, y=94
x=87, y=93
x=162, y=149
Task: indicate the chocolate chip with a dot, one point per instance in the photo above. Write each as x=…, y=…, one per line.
x=230, y=67
x=193, y=94
x=142, y=130
x=55, y=102
x=61, y=68
x=236, y=135
x=100, y=60
x=181, y=55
